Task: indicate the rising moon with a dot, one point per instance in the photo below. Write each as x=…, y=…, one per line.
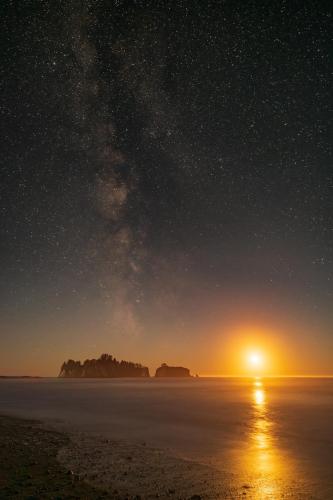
x=255, y=359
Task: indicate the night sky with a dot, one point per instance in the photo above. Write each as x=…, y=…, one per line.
x=166, y=180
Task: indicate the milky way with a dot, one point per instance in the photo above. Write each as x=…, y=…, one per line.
x=162, y=162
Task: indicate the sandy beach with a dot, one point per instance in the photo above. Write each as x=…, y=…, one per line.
x=29, y=467
x=128, y=470
x=37, y=461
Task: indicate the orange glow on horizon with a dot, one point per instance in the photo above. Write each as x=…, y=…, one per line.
x=254, y=352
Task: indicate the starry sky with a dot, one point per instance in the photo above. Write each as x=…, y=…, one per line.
x=166, y=182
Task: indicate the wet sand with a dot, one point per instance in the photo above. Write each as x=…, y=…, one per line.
x=39, y=462
x=29, y=468
x=131, y=470
x=36, y=461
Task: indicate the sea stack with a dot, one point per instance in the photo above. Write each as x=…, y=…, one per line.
x=172, y=371
x=104, y=367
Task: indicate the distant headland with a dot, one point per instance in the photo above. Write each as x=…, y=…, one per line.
x=19, y=376
x=106, y=366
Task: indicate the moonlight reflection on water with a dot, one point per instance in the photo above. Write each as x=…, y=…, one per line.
x=264, y=457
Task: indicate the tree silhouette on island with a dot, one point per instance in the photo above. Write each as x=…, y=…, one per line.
x=106, y=366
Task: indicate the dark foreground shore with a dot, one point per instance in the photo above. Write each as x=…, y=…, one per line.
x=29, y=468
x=39, y=462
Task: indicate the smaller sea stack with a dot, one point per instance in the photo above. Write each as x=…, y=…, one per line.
x=172, y=371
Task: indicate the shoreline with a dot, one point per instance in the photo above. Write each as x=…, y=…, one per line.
x=29, y=467
x=39, y=461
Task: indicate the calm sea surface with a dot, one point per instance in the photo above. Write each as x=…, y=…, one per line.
x=275, y=434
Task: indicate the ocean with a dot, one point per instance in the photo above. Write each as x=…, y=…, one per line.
x=275, y=435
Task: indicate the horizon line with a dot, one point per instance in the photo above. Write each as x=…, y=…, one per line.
x=192, y=376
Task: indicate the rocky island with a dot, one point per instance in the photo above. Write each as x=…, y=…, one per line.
x=172, y=371
x=104, y=367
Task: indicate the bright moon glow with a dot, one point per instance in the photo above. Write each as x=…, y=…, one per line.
x=255, y=359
